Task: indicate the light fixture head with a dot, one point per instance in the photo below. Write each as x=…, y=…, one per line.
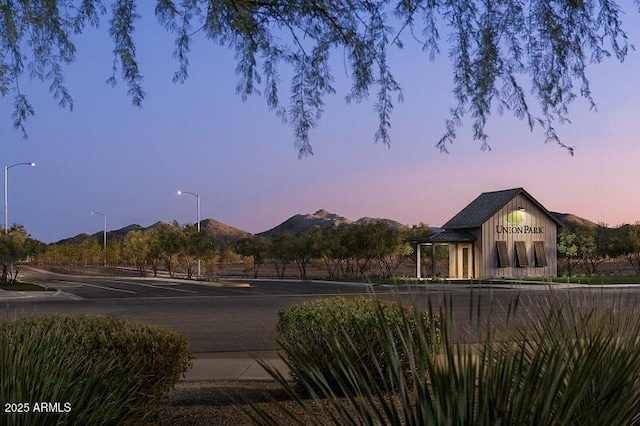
x=521, y=208
x=179, y=192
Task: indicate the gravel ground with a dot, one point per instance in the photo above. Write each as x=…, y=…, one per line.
x=219, y=402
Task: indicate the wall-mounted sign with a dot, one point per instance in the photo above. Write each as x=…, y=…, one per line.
x=524, y=229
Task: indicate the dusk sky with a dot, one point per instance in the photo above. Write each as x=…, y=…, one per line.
x=110, y=157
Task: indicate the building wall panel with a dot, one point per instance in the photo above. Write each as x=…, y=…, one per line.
x=511, y=224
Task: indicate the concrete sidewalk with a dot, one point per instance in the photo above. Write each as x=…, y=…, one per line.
x=234, y=366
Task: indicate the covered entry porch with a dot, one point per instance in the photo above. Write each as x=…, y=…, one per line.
x=461, y=246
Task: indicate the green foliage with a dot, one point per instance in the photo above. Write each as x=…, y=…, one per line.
x=582, y=245
x=349, y=250
x=281, y=251
x=173, y=245
x=114, y=252
x=168, y=241
x=194, y=245
x=305, y=247
x=317, y=335
x=137, y=248
x=569, y=362
x=627, y=245
x=496, y=50
x=254, y=247
x=18, y=286
x=16, y=246
x=110, y=371
x=90, y=252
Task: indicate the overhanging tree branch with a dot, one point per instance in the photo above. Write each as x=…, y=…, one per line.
x=496, y=49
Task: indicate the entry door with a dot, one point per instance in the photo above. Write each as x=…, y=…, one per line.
x=465, y=261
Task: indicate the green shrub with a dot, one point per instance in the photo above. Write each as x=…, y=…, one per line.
x=109, y=371
x=316, y=335
x=568, y=363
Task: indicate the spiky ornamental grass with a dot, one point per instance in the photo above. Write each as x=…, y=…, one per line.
x=569, y=363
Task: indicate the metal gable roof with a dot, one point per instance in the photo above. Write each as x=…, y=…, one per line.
x=485, y=205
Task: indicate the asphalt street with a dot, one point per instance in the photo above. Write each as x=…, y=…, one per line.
x=238, y=316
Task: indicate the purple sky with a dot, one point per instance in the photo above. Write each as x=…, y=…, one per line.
x=110, y=157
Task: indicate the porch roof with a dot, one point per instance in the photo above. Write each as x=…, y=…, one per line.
x=446, y=236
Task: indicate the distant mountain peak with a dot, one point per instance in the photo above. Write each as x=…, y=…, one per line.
x=303, y=222
x=221, y=231
x=389, y=222
x=569, y=219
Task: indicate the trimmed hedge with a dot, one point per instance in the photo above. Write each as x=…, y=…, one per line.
x=89, y=370
x=316, y=336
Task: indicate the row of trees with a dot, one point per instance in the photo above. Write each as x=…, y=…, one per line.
x=167, y=246
x=346, y=251
x=583, y=248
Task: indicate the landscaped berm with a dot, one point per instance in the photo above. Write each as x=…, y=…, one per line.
x=20, y=286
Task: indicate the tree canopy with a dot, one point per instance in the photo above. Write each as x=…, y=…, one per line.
x=506, y=55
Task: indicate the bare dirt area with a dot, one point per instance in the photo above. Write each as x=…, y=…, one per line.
x=217, y=402
x=222, y=403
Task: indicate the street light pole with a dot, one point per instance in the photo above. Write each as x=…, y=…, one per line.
x=6, y=191
x=104, y=234
x=197, y=216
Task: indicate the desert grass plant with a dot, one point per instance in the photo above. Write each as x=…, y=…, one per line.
x=87, y=370
x=570, y=362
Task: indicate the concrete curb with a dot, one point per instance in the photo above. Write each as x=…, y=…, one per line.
x=225, y=285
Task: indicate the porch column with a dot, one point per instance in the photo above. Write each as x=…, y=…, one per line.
x=418, y=261
x=433, y=261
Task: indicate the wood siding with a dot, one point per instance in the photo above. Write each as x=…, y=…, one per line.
x=528, y=226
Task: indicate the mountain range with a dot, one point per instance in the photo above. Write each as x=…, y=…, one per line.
x=295, y=224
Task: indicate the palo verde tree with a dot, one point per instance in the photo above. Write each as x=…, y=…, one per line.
x=505, y=55
x=281, y=252
x=334, y=253
x=16, y=246
x=168, y=239
x=306, y=246
x=393, y=249
x=137, y=248
x=627, y=245
x=195, y=245
x=255, y=248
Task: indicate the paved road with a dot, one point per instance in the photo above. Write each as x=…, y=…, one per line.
x=230, y=319
x=214, y=318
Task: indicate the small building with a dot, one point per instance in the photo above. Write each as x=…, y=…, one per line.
x=500, y=234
